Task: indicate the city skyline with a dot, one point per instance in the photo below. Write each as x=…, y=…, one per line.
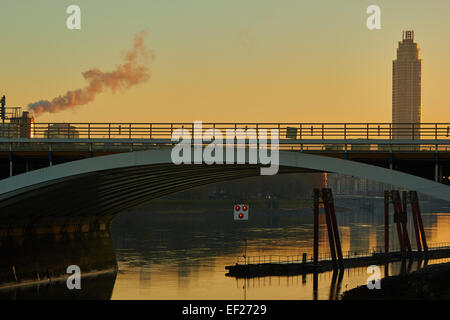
x=293, y=62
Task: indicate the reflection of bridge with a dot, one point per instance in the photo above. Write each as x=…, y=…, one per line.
x=78, y=176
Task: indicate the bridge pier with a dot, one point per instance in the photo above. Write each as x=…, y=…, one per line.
x=50, y=155
x=10, y=156
x=436, y=167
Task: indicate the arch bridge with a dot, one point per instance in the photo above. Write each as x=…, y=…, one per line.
x=77, y=177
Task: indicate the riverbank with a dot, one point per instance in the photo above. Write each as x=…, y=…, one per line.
x=430, y=283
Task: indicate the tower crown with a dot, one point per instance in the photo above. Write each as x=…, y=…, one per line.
x=408, y=35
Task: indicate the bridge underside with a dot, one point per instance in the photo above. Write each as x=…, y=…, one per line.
x=422, y=164
x=88, y=202
x=85, y=195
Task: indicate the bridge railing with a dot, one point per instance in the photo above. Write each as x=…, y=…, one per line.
x=299, y=131
x=327, y=137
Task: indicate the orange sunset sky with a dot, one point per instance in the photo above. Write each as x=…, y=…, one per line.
x=226, y=61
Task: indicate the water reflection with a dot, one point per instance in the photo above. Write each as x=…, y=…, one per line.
x=40, y=262
x=166, y=254
x=184, y=254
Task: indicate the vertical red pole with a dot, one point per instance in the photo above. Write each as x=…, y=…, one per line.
x=335, y=227
x=386, y=221
x=316, y=226
x=416, y=226
x=394, y=196
x=404, y=219
x=333, y=285
x=315, y=285
x=329, y=226
x=415, y=199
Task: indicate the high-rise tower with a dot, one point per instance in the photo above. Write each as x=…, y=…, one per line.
x=407, y=89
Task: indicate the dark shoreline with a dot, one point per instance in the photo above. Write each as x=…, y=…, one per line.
x=430, y=283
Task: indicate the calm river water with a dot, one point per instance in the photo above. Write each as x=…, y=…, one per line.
x=182, y=254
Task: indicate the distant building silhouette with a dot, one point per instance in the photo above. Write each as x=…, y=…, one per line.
x=407, y=89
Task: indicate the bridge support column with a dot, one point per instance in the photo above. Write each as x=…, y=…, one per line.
x=10, y=155
x=391, y=160
x=50, y=155
x=436, y=167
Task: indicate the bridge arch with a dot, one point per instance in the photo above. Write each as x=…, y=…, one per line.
x=91, y=191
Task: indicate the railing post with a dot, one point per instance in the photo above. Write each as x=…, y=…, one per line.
x=367, y=131
x=435, y=131
x=129, y=133
x=89, y=130
x=109, y=130
x=150, y=131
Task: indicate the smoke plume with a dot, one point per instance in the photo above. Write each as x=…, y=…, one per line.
x=133, y=71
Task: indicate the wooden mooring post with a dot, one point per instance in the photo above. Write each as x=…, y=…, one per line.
x=386, y=221
x=316, y=203
x=332, y=229
x=400, y=205
x=414, y=199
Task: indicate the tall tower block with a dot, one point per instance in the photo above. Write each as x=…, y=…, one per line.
x=407, y=89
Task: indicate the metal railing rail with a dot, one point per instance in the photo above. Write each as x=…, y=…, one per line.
x=324, y=137
x=280, y=259
x=410, y=131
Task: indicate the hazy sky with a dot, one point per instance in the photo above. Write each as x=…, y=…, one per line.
x=226, y=61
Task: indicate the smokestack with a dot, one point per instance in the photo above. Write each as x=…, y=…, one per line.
x=132, y=72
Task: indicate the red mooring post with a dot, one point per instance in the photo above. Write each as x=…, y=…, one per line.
x=316, y=203
x=331, y=239
x=416, y=225
x=404, y=220
x=394, y=196
x=335, y=227
x=415, y=206
x=386, y=221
